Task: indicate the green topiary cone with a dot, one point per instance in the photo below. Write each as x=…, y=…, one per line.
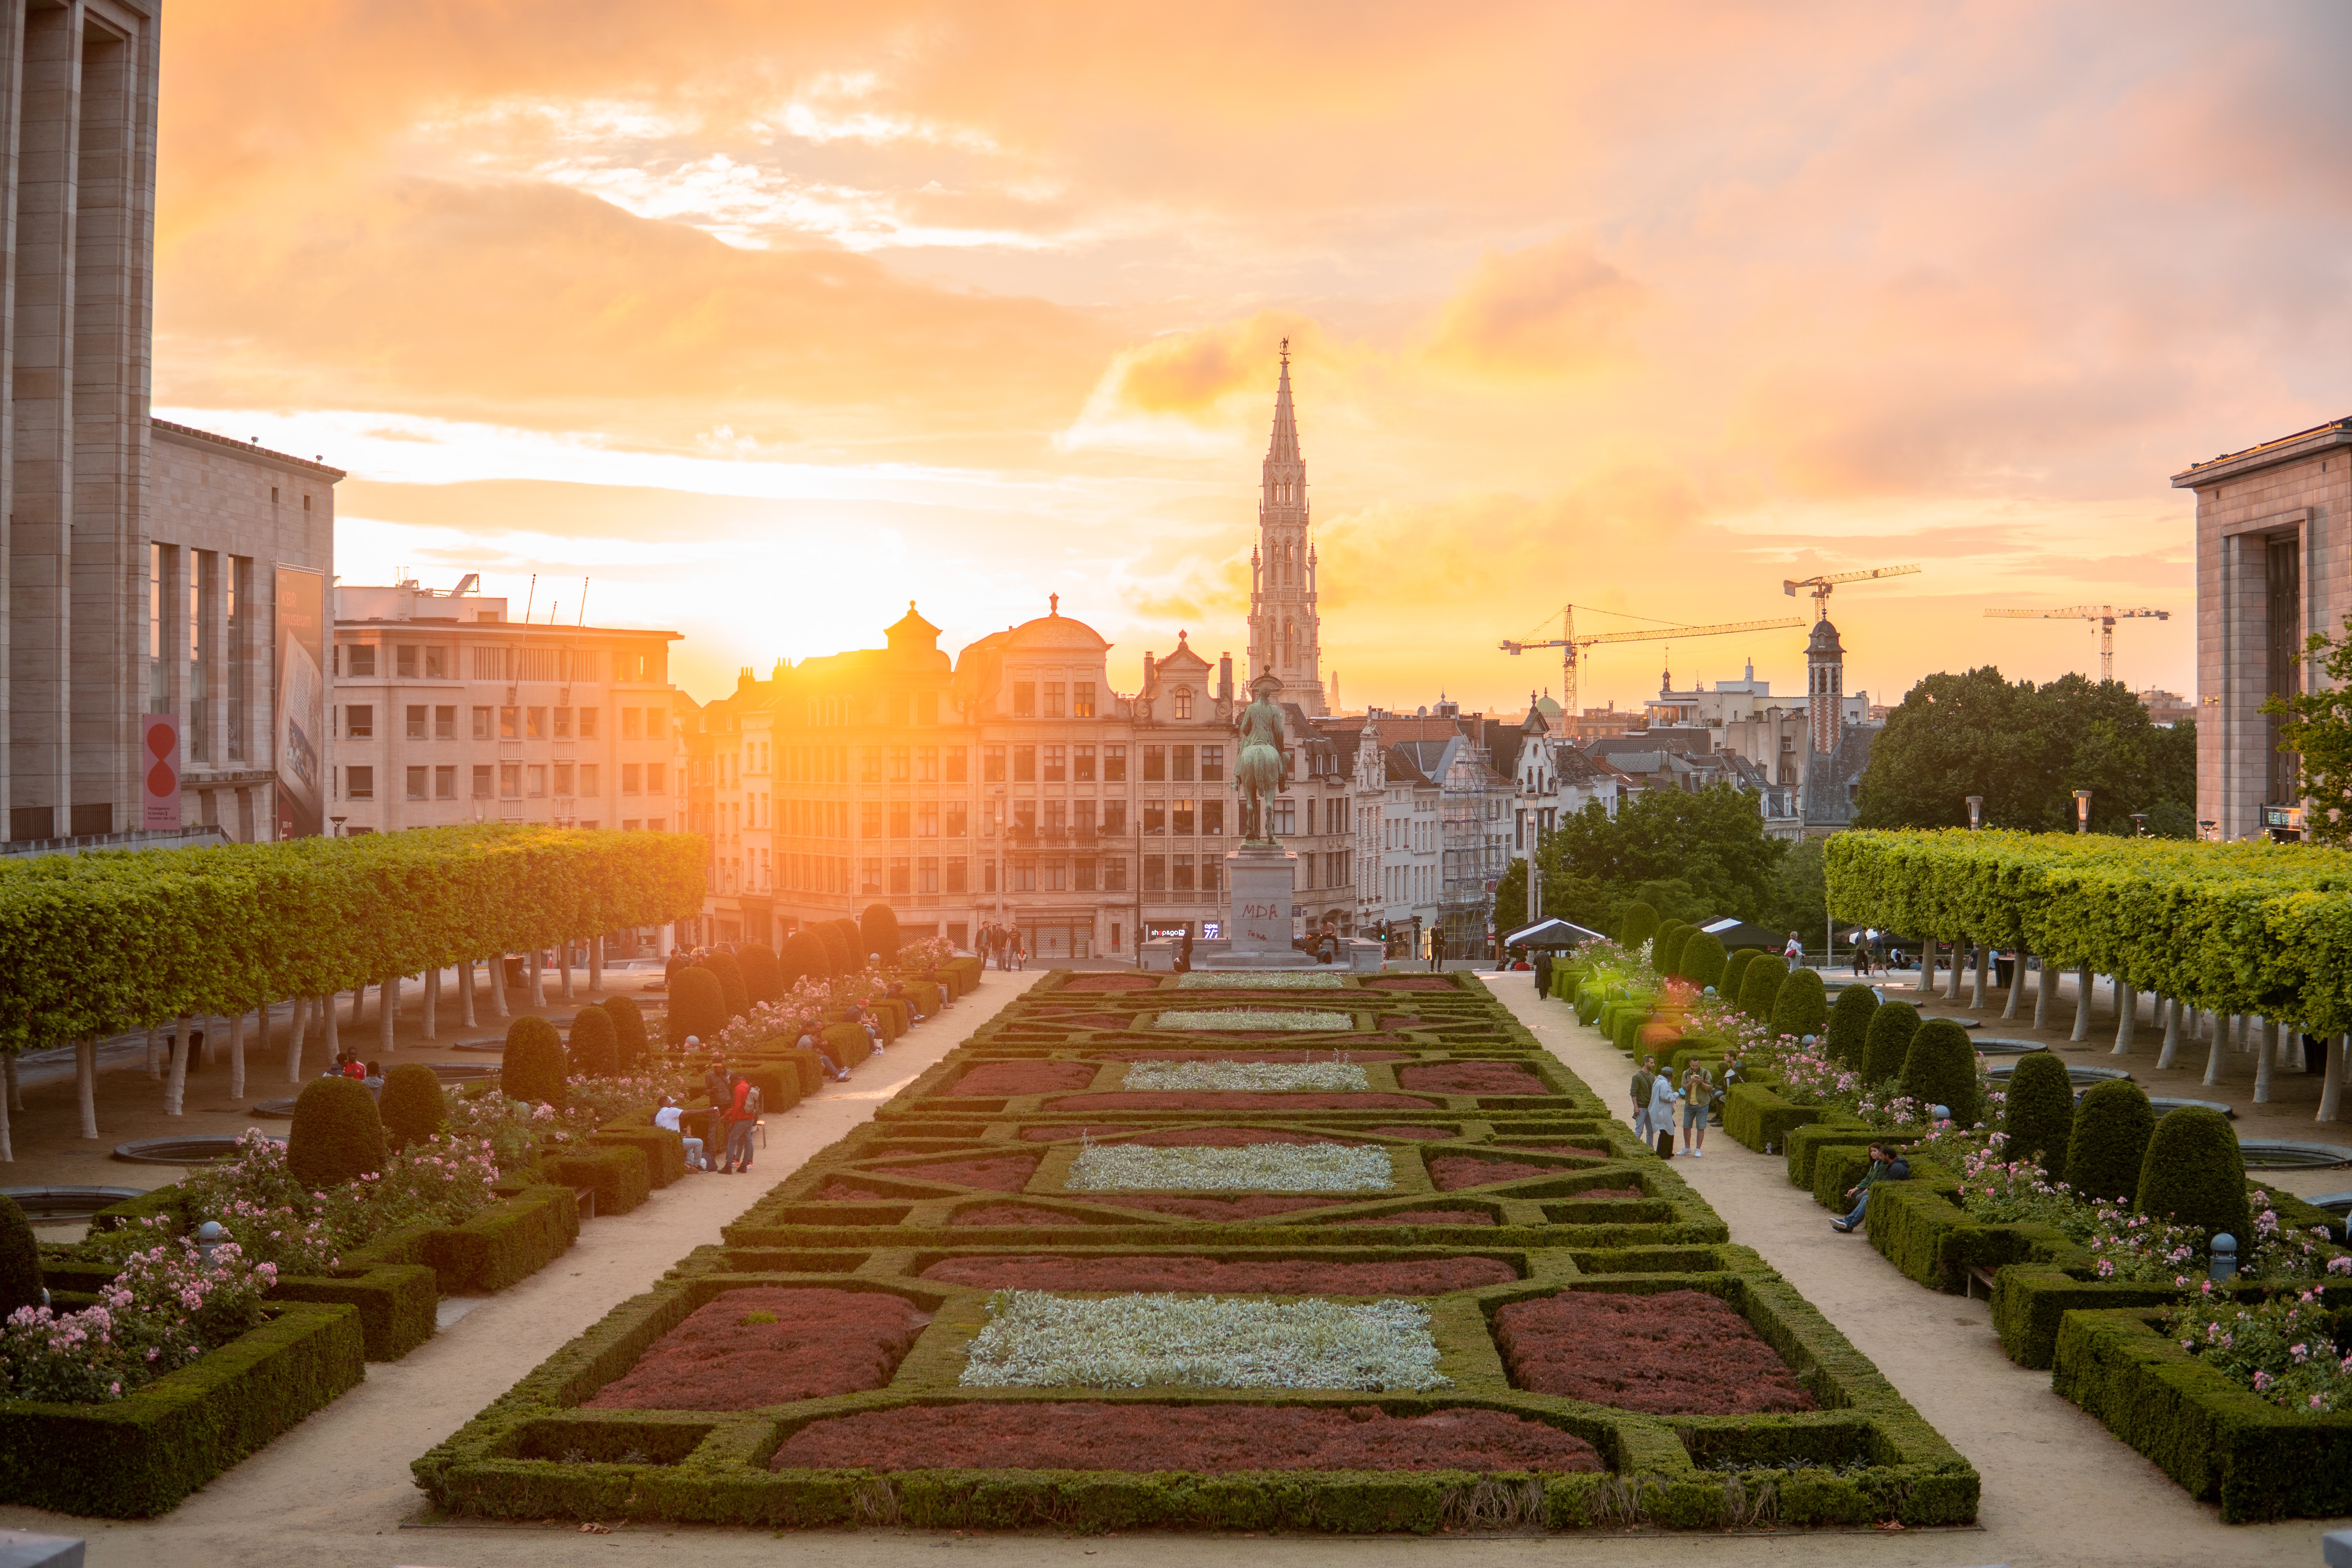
x=762, y=982
x=2041, y=1117
x=1702, y=960
x=805, y=958
x=533, y=1068
x=628, y=1032
x=1940, y=1068
x=2193, y=1174
x=1636, y=926
x=20, y=1259
x=1735, y=973
x=592, y=1050
x=1802, y=1006
x=1849, y=1026
x=411, y=1106
x=877, y=932
x=2112, y=1127
x=696, y=1007
x=1759, y=984
x=730, y=983
x=337, y=1134
x=1888, y=1040
x=838, y=948
x=1667, y=945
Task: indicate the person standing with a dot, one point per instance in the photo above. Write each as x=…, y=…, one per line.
x=1698, y=1097
x=1436, y=949
x=1663, y=1098
x=1643, y=1078
x=1794, y=952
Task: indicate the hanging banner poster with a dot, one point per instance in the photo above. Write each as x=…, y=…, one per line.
x=302, y=604
x=158, y=770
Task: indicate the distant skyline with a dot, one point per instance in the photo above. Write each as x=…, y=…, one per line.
x=771, y=322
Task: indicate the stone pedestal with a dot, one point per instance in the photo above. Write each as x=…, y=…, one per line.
x=1261, y=881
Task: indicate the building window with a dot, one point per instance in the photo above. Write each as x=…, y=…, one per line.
x=630, y=773
x=656, y=778
x=538, y=781
x=1286, y=818
x=1024, y=817
x=358, y=721
x=1181, y=873
x=445, y=784
x=359, y=784
x=959, y=816
x=902, y=877
x=535, y=724
x=1155, y=819
x=900, y=764
x=1114, y=764
x=1155, y=873
x=1114, y=874
x=899, y=813
x=418, y=778
x=927, y=819
x=587, y=723
x=359, y=660
x=1025, y=765
x=1056, y=769
x=988, y=876
x=564, y=723
x=1057, y=816
x=654, y=728
x=1024, y=700
x=1210, y=874
x=481, y=724
x=1024, y=875
x=1213, y=818
x=404, y=662
x=926, y=875
x=1082, y=873
x=563, y=778
x=629, y=723
x=869, y=876
x=1182, y=819
x=436, y=664
x=588, y=776
x=869, y=764
x=954, y=759
x=444, y=724
x=869, y=819
x=1181, y=757
x=927, y=764
x=1082, y=817
x=1213, y=763
x=1114, y=816
x=1184, y=702
x=1082, y=763
x=416, y=720
x=952, y=881
x=1082, y=699
x=1053, y=700
x=510, y=724
x=484, y=788
x=1155, y=764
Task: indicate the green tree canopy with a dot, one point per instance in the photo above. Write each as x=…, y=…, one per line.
x=1690, y=855
x=2317, y=729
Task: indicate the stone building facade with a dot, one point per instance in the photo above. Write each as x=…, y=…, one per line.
x=2272, y=566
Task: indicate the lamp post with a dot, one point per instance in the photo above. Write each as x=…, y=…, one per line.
x=2082, y=811
x=2205, y=826
x=1975, y=812
x=2139, y=824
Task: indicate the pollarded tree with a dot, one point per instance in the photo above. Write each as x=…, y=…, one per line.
x=761, y=980
x=1760, y=983
x=840, y=950
x=1639, y=925
x=413, y=1106
x=1702, y=959
x=2040, y=1121
x=593, y=1052
x=628, y=1031
x=805, y=957
x=1667, y=945
x=1728, y=983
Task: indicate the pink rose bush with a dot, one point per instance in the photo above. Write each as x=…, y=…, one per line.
x=168, y=1304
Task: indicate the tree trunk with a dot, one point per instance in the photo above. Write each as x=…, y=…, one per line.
x=2016, y=986
x=154, y=1052
x=387, y=1013
x=7, y=1149
x=359, y=1000
x=1976, y=981
x=86, y=1085
x=595, y=963
x=209, y=1028
x=176, y=1077
x=499, y=987
x=2266, y=1052
x=564, y=967
x=2171, y=1011
x=432, y=1000
x=333, y=1042
x=1952, y=990
x=2042, y=993
x=2331, y=1093
x=15, y=1094
x=466, y=994
x=537, y=992
x=2127, y=1017
x=294, y=1026
x=236, y=1058
x=2216, y=1059
x=2085, y=984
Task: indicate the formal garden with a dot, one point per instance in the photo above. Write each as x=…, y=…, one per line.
x=2202, y=1316
x=1333, y=1253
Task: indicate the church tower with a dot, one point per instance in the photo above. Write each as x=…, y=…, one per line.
x=1825, y=693
x=1286, y=631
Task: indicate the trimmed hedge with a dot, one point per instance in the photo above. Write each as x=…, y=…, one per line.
x=697, y=1007
x=1702, y=960
x=1888, y=1040
x=1847, y=1038
x=2193, y=1174
x=20, y=1259
x=1940, y=1068
x=617, y=1174
x=732, y=992
x=2109, y=1144
x=139, y=1455
x=840, y=953
x=1637, y=925
x=804, y=957
x=2223, y=1444
x=628, y=1031
x=1801, y=1007
x=592, y=1050
x=2040, y=1114
x=848, y=1044
x=413, y=1106
x=1666, y=947
x=664, y=1151
x=762, y=977
x=337, y=1136
x=877, y=931
x=1758, y=1118
x=1759, y=988
x=1730, y=985
x=533, y=1068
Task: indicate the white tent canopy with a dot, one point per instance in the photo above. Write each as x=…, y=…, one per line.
x=1551, y=933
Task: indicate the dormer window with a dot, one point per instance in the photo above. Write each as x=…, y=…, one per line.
x=1184, y=702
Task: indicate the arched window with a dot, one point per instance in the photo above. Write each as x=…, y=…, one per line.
x=1184, y=702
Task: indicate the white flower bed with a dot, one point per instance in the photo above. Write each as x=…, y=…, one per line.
x=1253, y=1168
x=1273, y=980
x=1251, y=1019
x=1036, y=1340
x=1260, y=1077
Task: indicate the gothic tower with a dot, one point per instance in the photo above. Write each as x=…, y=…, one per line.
x=1286, y=632
x=1825, y=696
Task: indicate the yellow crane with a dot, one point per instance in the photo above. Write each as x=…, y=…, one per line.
x=2106, y=614
x=1570, y=643
x=1819, y=586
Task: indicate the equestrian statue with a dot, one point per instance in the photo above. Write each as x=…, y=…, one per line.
x=1263, y=769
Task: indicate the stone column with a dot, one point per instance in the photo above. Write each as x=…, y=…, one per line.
x=2127, y=1017
x=2086, y=983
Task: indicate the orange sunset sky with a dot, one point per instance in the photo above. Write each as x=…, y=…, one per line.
x=769, y=318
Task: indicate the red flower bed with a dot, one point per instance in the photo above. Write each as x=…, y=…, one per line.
x=1221, y=1208
x=1452, y=1170
x=1557, y=1149
x=1206, y=1438
x=1431, y=1217
x=1470, y=1078
x=837, y=1191
x=1015, y=1213
x=1407, y=982
x=991, y=1080
x=1110, y=983
x=1279, y=1277
x=822, y=1343
x=1427, y=1134
x=1680, y=1353
x=998, y=1172
x=1150, y=1099
x=1321, y=1054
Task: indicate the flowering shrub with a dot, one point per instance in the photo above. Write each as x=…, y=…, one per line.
x=167, y=1305
x=2284, y=1349
x=924, y=953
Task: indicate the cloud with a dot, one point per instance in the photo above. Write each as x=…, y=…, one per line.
x=1550, y=310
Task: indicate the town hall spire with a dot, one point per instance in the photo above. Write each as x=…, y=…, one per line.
x=1286, y=627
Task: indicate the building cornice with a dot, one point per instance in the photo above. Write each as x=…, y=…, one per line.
x=2285, y=449
x=188, y=434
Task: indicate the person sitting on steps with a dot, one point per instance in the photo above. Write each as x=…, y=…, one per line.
x=1885, y=1166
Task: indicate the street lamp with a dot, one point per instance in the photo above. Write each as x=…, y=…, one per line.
x=2205, y=826
x=1975, y=812
x=2082, y=811
x=2139, y=824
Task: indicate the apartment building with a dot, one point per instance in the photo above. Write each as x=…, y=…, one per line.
x=447, y=710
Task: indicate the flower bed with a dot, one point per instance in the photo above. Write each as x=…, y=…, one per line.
x=1206, y=1439
x=1251, y=1019
x=1472, y=1078
x=1450, y=1172
x=1409, y=982
x=1678, y=1352
x=1230, y=1076
x=1037, y=1339
x=1277, y=980
x=1274, y=1277
x=1212, y=1137
x=767, y=1345
x=840, y=1191
x=991, y=1080
x=1290, y=1055
x=1115, y=1100
x=1258, y=1167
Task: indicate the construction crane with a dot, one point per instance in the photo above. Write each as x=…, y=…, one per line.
x=2106, y=614
x=1570, y=643
x=1819, y=586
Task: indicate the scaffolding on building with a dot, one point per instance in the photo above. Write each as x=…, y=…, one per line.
x=1474, y=802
